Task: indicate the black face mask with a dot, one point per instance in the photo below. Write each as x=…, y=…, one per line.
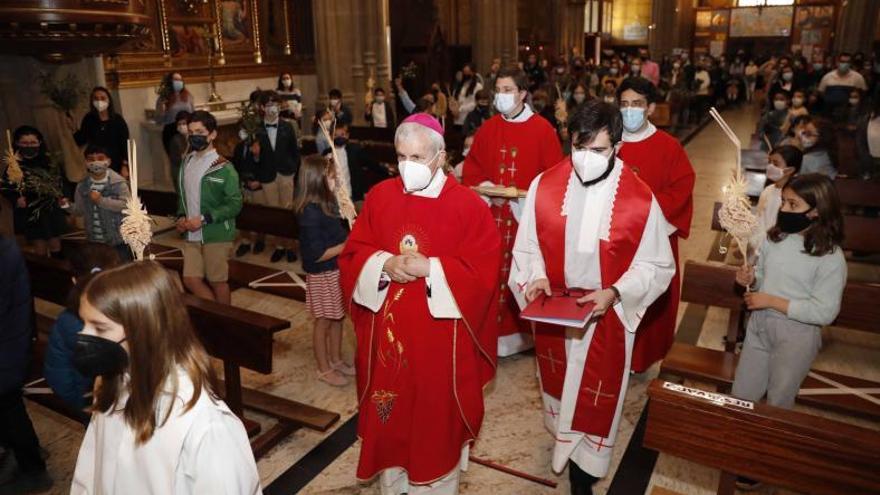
x=29, y=152
x=339, y=141
x=791, y=222
x=197, y=142
x=94, y=356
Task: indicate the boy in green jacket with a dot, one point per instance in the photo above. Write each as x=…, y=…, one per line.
x=208, y=202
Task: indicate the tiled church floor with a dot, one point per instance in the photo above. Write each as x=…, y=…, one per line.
x=513, y=434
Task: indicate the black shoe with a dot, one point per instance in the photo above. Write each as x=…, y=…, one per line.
x=36, y=482
x=291, y=256
x=242, y=250
x=277, y=255
x=747, y=484
x=259, y=247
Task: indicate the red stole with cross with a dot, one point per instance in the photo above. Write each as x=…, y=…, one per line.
x=602, y=379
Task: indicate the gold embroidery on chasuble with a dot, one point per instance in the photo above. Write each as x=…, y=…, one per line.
x=391, y=354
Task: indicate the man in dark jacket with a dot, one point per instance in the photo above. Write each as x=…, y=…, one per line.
x=270, y=168
x=17, y=433
x=475, y=119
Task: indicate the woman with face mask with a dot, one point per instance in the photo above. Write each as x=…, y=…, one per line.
x=291, y=97
x=102, y=126
x=772, y=123
x=814, y=137
x=155, y=401
x=36, y=213
x=173, y=98
x=795, y=290
x=784, y=163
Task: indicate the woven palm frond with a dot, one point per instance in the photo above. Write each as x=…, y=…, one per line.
x=13, y=168
x=136, y=228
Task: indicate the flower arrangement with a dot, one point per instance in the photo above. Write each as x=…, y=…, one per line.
x=409, y=71
x=65, y=93
x=250, y=119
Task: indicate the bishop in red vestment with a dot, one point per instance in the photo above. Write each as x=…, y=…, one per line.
x=590, y=224
x=420, y=272
x=510, y=149
x=660, y=161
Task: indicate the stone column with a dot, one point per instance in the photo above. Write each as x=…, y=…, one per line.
x=570, y=22
x=493, y=32
x=349, y=48
x=855, y=32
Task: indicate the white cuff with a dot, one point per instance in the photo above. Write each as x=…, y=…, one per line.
x=630, y=298
x=366, y=292
x=515, y=209
x=441, y=304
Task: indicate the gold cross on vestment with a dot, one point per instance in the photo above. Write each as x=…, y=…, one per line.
x=598, y=392
x=498, y=221
x=549, y=357
x=512, y=169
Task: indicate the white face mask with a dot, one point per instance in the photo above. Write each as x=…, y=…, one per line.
x=97, y=168
x=101, y=105
x=272, y=112
x=579, y=97
x=774, y=173
x=779, y=104
x=334, y=102
x=416, y=176
x=797, y=102
x=589, y=165
x=505, y=102
x=286, y=82
x=806, y=142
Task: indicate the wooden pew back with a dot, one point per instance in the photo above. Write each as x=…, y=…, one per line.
x=782, y=447
x=228, y=333
x=858, y=193
x=253, y=217
x=714, y=284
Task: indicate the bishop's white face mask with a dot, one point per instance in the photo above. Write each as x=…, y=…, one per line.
x=416, y=176
x=589, y=165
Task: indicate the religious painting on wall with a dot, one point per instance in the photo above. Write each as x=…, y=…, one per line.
x=189, y=40
x=235, y=25
x=753, y=22
x=813, y=26
x=711, y=31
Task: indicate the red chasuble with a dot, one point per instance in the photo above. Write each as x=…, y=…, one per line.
x=419, y=379
x=510, y=154
x=604, y=369
x=662, y=163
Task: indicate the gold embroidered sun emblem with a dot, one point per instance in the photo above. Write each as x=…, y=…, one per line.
x=408, y=245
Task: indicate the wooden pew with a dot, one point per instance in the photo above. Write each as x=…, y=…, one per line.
x=236, y=336
x=241, y=274
x=713, y=284
x=856, y=193
x=253, y=217
x=860, y=232
x=781, y=447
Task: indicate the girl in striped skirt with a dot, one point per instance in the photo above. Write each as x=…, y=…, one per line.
x=322, y=237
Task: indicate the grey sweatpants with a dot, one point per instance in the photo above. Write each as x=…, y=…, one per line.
x=776, y=357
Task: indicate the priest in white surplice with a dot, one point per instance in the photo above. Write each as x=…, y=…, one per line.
x=590, y=223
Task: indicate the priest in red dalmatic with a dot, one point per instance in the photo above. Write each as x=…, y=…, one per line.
x=590, y=224
x=659, y=160
x=420, y=272
x=510, y=149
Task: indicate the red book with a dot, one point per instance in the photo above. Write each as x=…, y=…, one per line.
x=560, y=309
